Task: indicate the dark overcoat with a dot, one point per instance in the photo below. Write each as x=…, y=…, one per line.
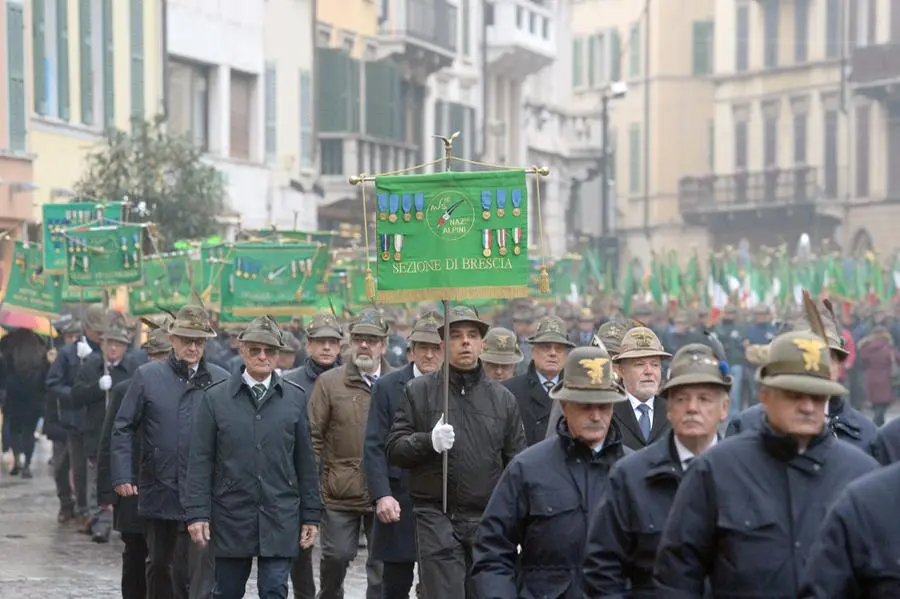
x=535, y=404
x=125, y=509
x=394, y=542
x=623, y=415
x=252, y=473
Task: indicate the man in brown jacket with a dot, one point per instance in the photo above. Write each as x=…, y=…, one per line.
x=338, y=411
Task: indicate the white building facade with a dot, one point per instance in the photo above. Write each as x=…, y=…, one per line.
x=222, y=55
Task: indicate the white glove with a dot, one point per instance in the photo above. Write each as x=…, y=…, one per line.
x=105, y=382
x=83, y=349
x=442, y=436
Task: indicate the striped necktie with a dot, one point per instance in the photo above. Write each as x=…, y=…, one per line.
x=258, y=391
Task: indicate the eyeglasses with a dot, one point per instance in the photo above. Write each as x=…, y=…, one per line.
x=265, y=350
x=200, y=343
x=367, y=339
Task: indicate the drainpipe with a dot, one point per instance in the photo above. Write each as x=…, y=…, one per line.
x=164, y=18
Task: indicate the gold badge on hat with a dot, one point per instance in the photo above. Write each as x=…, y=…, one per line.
x=502, y=341
x=643, y=338
x=812, y=352
x=594, y=367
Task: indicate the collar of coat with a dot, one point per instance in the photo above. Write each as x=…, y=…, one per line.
x=352, y=374
x=236, y=383
x=785, y=449
x=842, y=420
x=201, y=379
x=612, y=445
x=535, y=381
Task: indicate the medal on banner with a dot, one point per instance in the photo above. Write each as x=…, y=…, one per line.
x=516, y=201
x=124, y=245
x=382, y=206
x=406, y=204
x=501, y=241
x=398, y=246
x=517, y=240
x=420, y=206
x=394, y=201
x=501, y=202
x=385, y=246
x=294, y=269
x=486, y=201
x=487, y=236
x=136, y=239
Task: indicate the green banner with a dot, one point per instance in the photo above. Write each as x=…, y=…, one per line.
x=105, y=256
x=167, y=284
x=455, y=236
x=77, y=295
x=30, y=288
x=59, y=217
x=213, y=260
x=278, y=280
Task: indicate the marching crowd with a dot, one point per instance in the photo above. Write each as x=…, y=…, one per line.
x=585, y=453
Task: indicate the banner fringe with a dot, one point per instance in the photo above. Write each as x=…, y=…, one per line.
x=453, y=294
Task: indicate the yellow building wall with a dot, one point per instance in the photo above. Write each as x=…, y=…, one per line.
x=351, y=16
x=60, y=147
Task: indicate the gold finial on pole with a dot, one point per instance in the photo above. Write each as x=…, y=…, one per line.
x=357, y=179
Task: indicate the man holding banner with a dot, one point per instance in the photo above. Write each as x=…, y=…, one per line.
x=486, y=418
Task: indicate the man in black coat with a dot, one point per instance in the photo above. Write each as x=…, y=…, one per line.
x=642, y=419
x=843, y=420
x=159, y=409
x=855, y=550
x=531, y=538
x=626, y=527
x=100, y=371
x=253, y=484
x=394, y=530
x=549, y=348
x=125, y=509
x=323, y=346
x=747, y=511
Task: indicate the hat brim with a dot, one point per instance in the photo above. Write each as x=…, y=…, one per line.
x=423, y=337
x=641, y=353
x=368, y=329
x=560, y=392
x=481, y=325
x=696, y=378
x=326, y=334
x=261, y=337
x=504, y=359
x=117, y=338
x=155, y=350
x=191, y=333
x=551, y=338
x=801, y=383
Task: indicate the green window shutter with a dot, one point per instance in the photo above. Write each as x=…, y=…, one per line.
x=62, y=57
x=136, y=25
x=306, y=119
x=634, y=50
x=271, y=108
x=703, y=47
x=38, y=33
x=15, y=56
x=398, y=105
x=634, y=158
x=109, y=68
x=328, y=91
x=86, y=55
x=354, y=86
x=711, y=158
x=577, y=62
x=591, y=67
x=377, y=100
x=615, y=56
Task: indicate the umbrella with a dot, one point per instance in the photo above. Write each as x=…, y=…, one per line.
x=10, y=319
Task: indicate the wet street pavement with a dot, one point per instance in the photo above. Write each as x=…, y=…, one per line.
x=42, y=559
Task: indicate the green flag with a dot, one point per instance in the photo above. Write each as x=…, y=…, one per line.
x=58, y=218
x=167, y=284
x=30, y=288
x=454, y=236
x=105, y=256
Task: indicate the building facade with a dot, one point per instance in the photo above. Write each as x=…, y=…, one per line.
x=16, y=158
x=289, y=110
x=660, y=129
x=94, y=65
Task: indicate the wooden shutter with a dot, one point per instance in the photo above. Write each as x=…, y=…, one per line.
x=109, y=67
x=306, y=119
x=271, y=107
x=615, y=56
x=241, y=86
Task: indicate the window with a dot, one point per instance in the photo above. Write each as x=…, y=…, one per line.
x=465, y=27
x=830, y=163
x=770, y=142
x=577, y=61
x=189, y=102
x=742, y=39
x=86, y=48
x=307, y=135
x=62, y=57
x=15, y=49
x=271, y=110
x=108, y=62
x=833, y=28
x=801, y=30
x=703, y=47
x=332, y=152
x=634, y=158
x=800, y=121
x=615, y=55
x=39, y=51
x=241, y=115
x=862, y=150
x=740, y=146
x=711, y=147
x=596, y=59
x=770, y=16
x=634, y=50
x=136, y=20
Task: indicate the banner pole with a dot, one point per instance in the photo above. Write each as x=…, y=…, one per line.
x=448, y=154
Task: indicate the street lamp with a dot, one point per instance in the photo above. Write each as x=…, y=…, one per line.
x=616, y=90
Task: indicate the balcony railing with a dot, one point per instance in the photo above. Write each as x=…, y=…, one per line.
x=769, y=188
x=875, y=64
x=432, y=22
